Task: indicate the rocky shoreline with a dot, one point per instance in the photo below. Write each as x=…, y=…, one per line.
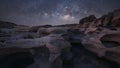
x=93, y=43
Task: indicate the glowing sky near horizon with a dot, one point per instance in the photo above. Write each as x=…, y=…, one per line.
x=55, y=12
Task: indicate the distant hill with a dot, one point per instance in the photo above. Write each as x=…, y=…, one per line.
x=4, y=24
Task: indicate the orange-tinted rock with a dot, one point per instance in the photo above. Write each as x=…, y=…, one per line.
x=111, y=19
x=116, y=18
x=87, y=21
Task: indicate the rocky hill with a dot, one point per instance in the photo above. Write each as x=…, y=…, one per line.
x=111, y=19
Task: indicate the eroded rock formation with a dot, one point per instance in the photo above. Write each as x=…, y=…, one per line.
x=94, y=43
x=97, y=43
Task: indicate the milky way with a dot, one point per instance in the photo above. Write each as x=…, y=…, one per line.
x=55, y=12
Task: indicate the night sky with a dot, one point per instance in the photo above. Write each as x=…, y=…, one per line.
x=55, y=12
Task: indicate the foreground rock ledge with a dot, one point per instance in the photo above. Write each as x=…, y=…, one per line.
x=54, y=43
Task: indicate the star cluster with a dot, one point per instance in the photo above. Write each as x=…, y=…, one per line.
x=55, y=12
